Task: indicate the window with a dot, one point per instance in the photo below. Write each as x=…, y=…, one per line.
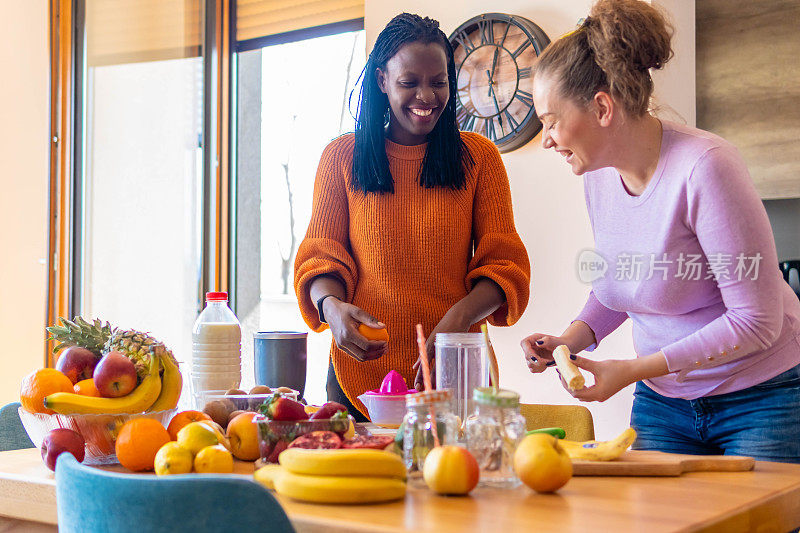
x=138, y=209
x=293, y=99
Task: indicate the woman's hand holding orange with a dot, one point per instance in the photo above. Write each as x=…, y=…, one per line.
x=345, y=321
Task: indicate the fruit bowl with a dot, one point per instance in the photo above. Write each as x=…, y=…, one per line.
x=276, y=435
x=99, y=431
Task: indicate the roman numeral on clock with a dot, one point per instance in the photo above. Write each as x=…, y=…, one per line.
x=464, y=40
x=525, y=97
x=486, y=29
x=521, y=48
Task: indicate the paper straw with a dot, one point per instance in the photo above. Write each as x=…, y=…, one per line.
x=426, y=377
x=493, y=368
x=423, y=358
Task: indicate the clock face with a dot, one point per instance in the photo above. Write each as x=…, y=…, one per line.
x=494, y=54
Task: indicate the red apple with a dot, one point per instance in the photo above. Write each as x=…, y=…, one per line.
x=62, y=440
x=77, y=363
x=114, y=375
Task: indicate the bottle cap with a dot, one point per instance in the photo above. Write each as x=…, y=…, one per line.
x=501, y=398
x=216, y=296
x=428, y=397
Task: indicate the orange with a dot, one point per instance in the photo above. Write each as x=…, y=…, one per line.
x=86, y=387
x=373, y=334
x=40, y=384
x=183, y=418
x=138, y=443
x=541, y=463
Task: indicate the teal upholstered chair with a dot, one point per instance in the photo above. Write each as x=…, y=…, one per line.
x=91, y=500
x=12, y=434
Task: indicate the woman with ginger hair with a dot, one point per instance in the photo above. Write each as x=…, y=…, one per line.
x=690, y=252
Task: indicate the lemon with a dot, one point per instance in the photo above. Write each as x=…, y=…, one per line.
x=214, y=460
x=350, y=433
x=172, y=458
x=195, y=436
x=221, y=438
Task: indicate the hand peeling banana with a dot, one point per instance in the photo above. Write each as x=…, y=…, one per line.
x=569, y=372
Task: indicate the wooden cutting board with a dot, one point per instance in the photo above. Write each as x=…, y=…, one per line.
x=647, y=463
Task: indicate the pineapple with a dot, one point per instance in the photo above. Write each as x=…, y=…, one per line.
x=138, y=347
x=102, y=338
x=78, y=332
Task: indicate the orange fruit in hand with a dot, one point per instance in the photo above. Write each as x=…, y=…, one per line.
x=183, y=418
x=138, y=443
x=373, y=334
x=40, y=384
x=86, y=387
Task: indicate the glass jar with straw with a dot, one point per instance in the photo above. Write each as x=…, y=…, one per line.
x=429, y=419
x=493, y=433
x=429, y=422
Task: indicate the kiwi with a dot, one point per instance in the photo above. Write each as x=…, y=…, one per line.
x=260, y=389
x=218, y=412
x=234, y=415
x=232, y=392
x=285, y=390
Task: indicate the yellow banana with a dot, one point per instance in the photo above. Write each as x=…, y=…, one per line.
x=171, y=384
x=137, y=401
x=267, y=473
x=339, y=489
x=343, y=462
x=592, y=450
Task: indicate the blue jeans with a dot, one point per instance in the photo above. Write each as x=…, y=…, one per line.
x=762, y=421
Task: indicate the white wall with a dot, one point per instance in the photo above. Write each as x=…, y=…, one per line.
x=24, y=117
x=548, y=199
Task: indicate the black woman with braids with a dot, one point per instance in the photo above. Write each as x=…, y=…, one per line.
x=411, y=220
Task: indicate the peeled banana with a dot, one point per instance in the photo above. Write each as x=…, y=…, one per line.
x=171, y=384
x=344, y=462
x=592, y=450
x=570, y=373
x=339, y=489
x=142, y=397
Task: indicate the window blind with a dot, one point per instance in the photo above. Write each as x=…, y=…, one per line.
x=130, y=31
x=259, y=18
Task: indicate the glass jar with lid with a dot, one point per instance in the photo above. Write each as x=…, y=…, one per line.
x=424, y=412
x=493, y=433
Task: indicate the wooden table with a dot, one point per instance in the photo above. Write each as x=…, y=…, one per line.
x=766, y=499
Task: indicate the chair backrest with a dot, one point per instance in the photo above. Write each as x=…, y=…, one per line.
x=91, y=500
x=12, y=435
x=575, y=420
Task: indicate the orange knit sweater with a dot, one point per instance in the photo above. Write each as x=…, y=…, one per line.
x=407, y=257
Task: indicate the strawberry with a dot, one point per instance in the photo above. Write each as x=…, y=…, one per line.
x=280, y=408
x=328, y=410
x=280, y=446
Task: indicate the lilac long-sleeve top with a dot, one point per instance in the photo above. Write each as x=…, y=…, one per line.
x=692, y=262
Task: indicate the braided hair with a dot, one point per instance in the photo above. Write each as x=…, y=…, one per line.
x=446, y=154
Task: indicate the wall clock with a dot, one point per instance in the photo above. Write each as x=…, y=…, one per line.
x=494, y=53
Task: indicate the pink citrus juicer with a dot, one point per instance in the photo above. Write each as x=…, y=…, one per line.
x=387, y=404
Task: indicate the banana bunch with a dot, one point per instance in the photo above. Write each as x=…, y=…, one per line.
x=154, y=393
x=592, y=450
x=336, y=476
